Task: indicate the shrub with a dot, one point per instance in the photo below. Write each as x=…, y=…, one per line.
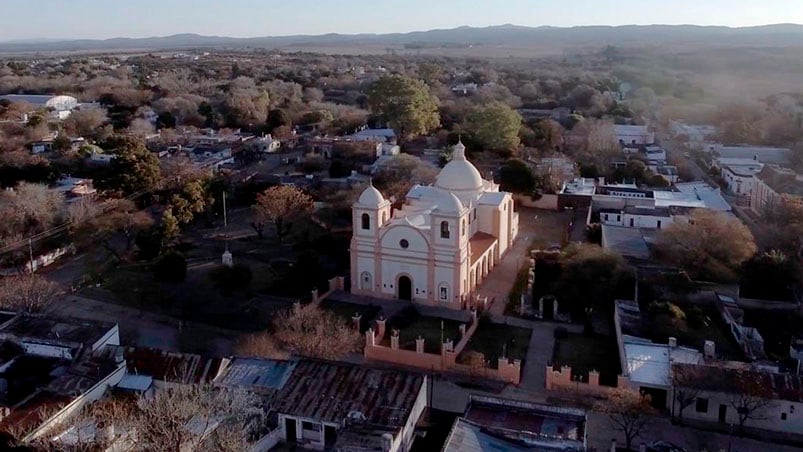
x=171, y=267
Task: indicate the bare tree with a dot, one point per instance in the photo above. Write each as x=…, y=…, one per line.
x=628, y=411
x=102, y=223
x=685, y=395
x=85, y=123
x=398, y=174
x=306, y=331
x=28, y=293
x=751, y=398
x=29, y=209
x=280, y=205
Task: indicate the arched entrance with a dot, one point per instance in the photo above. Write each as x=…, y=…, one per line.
x=405, y=288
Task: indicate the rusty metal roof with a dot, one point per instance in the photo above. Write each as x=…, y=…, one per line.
x=185, y=368
x=329, y=392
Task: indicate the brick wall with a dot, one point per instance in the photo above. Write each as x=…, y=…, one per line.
x=562, y=380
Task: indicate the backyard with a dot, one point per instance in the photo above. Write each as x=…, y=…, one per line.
x=586, y=353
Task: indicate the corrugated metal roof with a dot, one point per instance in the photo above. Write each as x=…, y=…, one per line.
x=329, y=392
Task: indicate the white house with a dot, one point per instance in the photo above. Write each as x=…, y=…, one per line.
x=637, y=217
x=655, y=155
x=739, y=173
x=634, y=135
x=442, y=242
x=770, y=401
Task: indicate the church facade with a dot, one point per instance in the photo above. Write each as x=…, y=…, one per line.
x=440, y=245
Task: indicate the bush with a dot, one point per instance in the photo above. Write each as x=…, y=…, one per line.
x=171, y=267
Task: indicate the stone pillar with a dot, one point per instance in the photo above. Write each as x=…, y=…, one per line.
x=228, y=259
x=394, y=340
x=355, y=321
x=370, y=340
x=613, y=445
x=473, y=315
x=448, y=346
x=541, y=308
x=314, y=296
x=593, y=378
x=554, y=307
x=462, y=329
x=642, y=447
x=419, y=345
x=380, y=327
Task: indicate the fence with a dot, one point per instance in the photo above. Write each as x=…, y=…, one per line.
x=446, y=360
x=561, y=380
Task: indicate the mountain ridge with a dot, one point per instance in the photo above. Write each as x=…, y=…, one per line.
x=786, y=34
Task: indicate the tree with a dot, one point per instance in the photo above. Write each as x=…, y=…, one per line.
x=750, y=396
x=280, y=205
x=710, y=245
x=29, y=209
x=398, y=174
x=628, y=412
x=495, y=126
x=405, y=104
x=85, y=123
x=313, y=332
x=28, y=293
x=101, y=223
x=192, y=200
x=133, y=169
x=170, y=225
x=246, y=104
x=590, y=276
x=685, y=394
x=171, y=267
x=184, y=417
x=516, y=177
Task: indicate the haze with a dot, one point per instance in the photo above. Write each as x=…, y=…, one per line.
x=96, y=19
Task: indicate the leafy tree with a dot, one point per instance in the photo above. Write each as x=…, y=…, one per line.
x=277, y=118
x=397, y=175
x=590, y=276
x=628, y=412
x=170, y=225
x=171, y=266
x=280, y=205
x=133, y=169
x=405, y=104
x=246, y=104
x=85, y=123
x=495, y=126
x=710, y=245
x=516, y=177
x=192, y=200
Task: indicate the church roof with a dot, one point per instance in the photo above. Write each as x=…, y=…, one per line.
x=459, y=174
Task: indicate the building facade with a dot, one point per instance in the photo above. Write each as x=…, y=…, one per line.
x=440, y=245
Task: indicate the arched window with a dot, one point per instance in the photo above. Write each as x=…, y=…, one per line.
x=365, y=281
x=444, y=229
x=366, y=221
x=443, y=292
x=463, y=228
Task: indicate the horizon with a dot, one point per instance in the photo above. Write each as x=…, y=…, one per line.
x=99, y=20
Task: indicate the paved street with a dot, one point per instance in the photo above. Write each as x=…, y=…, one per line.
x=146, y=329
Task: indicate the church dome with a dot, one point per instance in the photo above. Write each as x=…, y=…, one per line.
x=459, y=174
x=450, y=203
x=371, y=197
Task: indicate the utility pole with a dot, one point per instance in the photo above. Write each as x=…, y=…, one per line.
x=30, y=254
x=228, y=259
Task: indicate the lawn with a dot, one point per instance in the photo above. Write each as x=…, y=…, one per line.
x=491, y=339
x=586, y=353
x=412, y=325
x=347, y=311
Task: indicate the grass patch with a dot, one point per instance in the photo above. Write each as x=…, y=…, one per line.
x=347, y=310
x=586, y=353
x=412, y=325
x=491, y=338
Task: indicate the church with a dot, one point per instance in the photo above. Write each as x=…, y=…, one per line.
x=440, y=245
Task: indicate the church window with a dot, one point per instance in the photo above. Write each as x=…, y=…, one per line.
x=444, y=229
x=463, y=228
x=475, y=214
x=366, y=221
x=443, y=292
x=404, y=243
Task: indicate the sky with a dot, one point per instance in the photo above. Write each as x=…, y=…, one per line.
x=98, y=19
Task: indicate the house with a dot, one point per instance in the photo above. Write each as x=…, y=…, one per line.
x=634, y=135
x=748, y=338
x=724, y=392
x=75, y=189
x=627, y=242
x=739, y=173
x=493, y=424
x=656, y=155
x=637, y=217
x=770, y=184
x=669, y=173
x=335, y=406
x=647, y=366
x=464, y=88
x=762, y=154
x=52, y=367
x=380, y=135
x=695, y=135
x=439, y=245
